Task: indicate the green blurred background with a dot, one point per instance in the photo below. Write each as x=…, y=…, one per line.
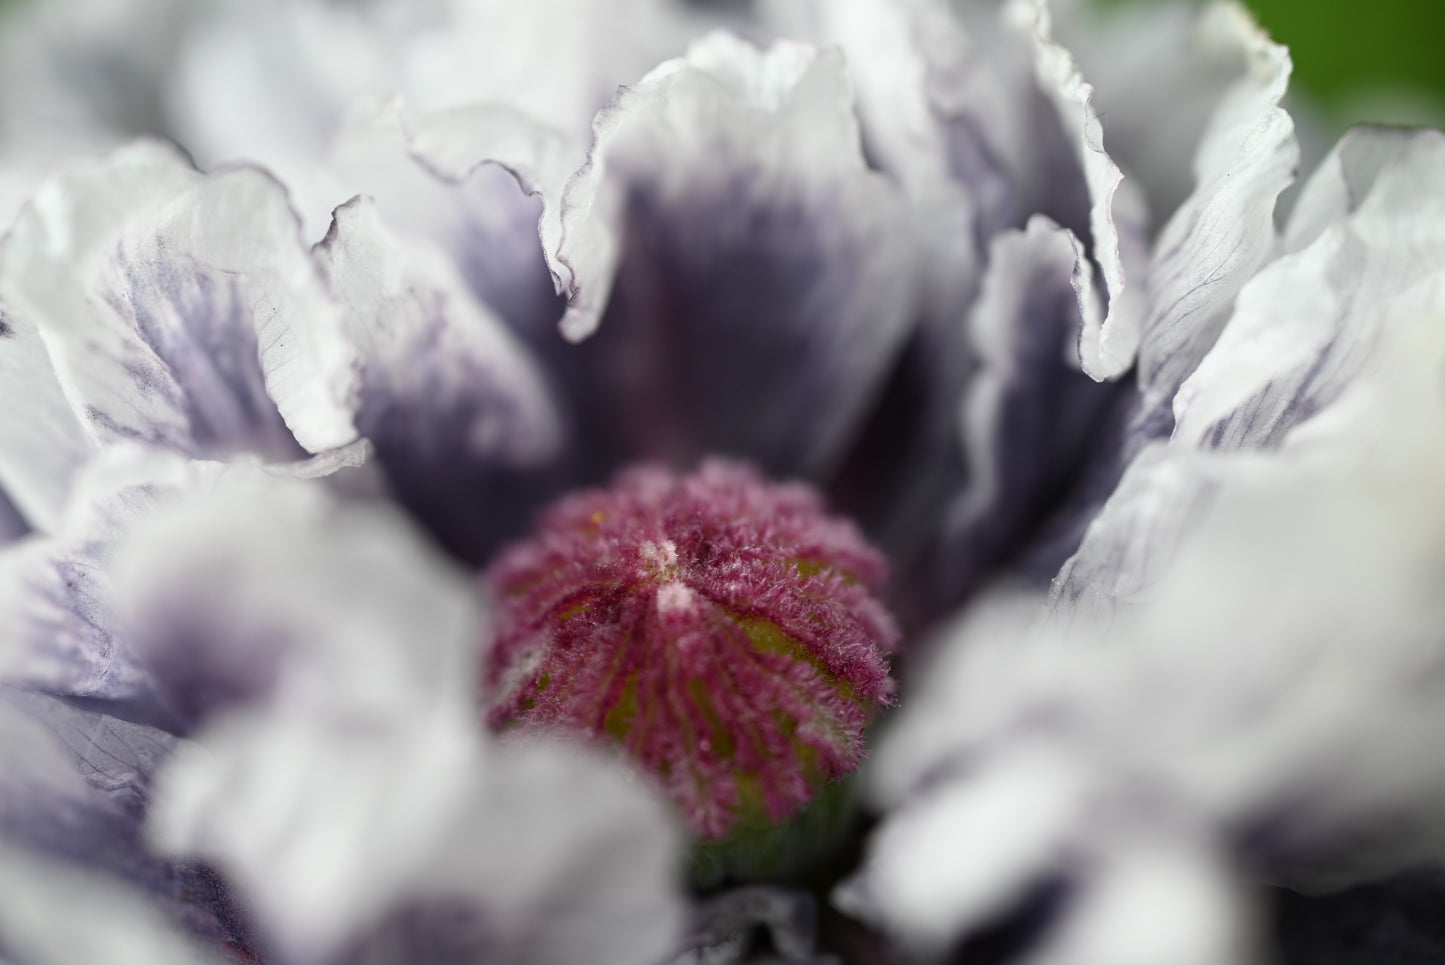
x=1348, y=52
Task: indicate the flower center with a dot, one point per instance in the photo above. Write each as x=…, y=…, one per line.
x=722, y=630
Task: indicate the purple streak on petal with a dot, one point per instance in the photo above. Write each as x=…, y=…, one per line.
x=199, y=326
x=12, y=524
x=735, y=326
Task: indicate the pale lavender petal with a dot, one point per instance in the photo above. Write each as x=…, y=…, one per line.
x=57, y=601
x=755, y=276
x=252, y=576
x=463, y=423
x=1224, y=231
x=1272, y=703
x=181, y=309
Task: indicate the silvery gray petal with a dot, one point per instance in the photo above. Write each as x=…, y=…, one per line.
x=1224, y=231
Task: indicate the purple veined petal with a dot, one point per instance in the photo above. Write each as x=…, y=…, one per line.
x=1304, y=327
x=1160, y=74
x=181, y=309
x=1109, y=336
x=755, y=275
x=464, y=425
x=74, y=791
x=933, y=109
x=1224, y=231
x=1301, y=331
x=56, y=594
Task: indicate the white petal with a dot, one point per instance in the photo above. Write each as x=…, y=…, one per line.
x=1151, y=902
x=1301, y=331
x=176, y=307
x=965, y=851
x=1110, y=332
x=40, y=453
x=1224, y=231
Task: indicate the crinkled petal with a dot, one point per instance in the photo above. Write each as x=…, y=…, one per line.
x=1224, y=231
x=1109, y=335
x=463, y=424
x=181, y=309
x=754, y=274
x=1301, y=331
x=467, y=180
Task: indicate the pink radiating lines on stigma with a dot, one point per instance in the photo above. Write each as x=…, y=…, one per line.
x=723, y=630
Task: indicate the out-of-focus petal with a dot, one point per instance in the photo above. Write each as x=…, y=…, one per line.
x=52, y=913
x=762, y=282
x=1270, y=706
x=339, y=776
x=181, y=309
x=463, y=424
x=725, y=927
